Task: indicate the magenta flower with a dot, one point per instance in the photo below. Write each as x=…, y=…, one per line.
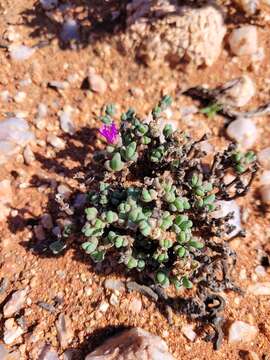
x=110, y=132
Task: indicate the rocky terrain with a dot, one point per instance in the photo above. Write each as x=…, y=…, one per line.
x=61, y=62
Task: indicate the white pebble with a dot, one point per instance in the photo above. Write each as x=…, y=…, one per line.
x=244, y=131
x=260, y=271
x=241, y=331
x=29, y=156
x=66, y=121
x=244, y=40
x=55, y=141
x=97, y=83
x=189, y=333
x=262, y=289
x=21, y=52
x=104, y=306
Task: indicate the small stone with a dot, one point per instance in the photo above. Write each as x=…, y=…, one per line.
x=113, y=285
x=6, y=197
x=238, y=92
x=29, y=156
x=114, y=300
x=265, y=178
x=265, y=194
x=88, y=291
x=39, y=232
x=244, y=40
x=12, y=331
x=264, y=158
x=64, y=330
x=15, y=303
x=97, y=83
x=104, y=306
x=48, y=4
x=243, y=131
x=56, y=141
x=5, y=96
x=66, y=121
x=42, y=110
x=135, y=306
x=137, y=92
x=3, y=352
x=189, y=333
x=21, y=52
x=249, y=6
x=70, y=354
x=60, y=85
x=64, y=190
x=259, y=289
x=14, y=133
x=241, y=331
x=20, y=97
x=48, y=353
x=252, y=356
x=132, y=344
x=225, y=208
x=260, y=271
x=46, y=221
x=70, y=30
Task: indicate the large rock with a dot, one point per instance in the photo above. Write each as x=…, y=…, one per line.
x=160, y=30
x=134, y=344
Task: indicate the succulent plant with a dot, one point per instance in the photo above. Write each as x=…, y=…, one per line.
x=154, y=207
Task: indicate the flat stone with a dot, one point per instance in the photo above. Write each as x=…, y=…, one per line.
x=241, y=331
x=134, y=344
x=64, y=330
x=15, y=303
